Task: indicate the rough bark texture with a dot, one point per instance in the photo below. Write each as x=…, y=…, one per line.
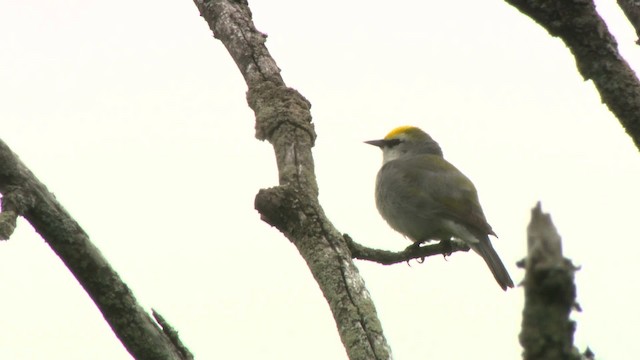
x=631, y=9
x=283, y=118
x=578, y=24
x=550, y=294
x=24, y=195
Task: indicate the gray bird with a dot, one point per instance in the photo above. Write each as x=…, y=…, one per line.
x=422, y=196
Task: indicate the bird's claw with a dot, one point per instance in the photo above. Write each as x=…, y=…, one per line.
x=420, y=260
x=415, y=247
x=447, y=248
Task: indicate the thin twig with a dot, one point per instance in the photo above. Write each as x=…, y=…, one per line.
x=386, y=257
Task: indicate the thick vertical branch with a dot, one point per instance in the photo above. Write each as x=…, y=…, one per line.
x=283, y=118
x=550, y=294
x=578, y=24
x=25, y=195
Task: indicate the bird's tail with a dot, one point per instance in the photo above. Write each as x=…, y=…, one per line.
x=486, y=250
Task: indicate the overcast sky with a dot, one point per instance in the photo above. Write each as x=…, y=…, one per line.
x=135, y=117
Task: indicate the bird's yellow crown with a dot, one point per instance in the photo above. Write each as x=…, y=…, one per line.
x=406, y=130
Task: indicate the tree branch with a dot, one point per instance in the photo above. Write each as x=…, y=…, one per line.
x=631, y=9
x=550, y=294
x=24, y=194
x=283, y=118
x=172, y=334
x=9, y=214
x=385, y=257
x=578, y=24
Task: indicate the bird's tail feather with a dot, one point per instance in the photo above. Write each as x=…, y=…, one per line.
x=488, y=253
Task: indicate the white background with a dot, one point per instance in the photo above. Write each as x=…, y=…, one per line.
x=135, y=117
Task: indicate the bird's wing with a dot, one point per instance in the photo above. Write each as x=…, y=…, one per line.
x=451, y=193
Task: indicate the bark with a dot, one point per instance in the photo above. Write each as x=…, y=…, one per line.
x=584, y=32
x=550, y=294
x=23, y=194
x=631, y=9
x=283, y=118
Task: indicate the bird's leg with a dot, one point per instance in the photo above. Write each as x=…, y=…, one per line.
x=415, y=246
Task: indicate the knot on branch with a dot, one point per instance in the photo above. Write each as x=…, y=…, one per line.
x=7, y=224
x=14, y=202
x=17, y=200
x=277, y=105
x=281, y=208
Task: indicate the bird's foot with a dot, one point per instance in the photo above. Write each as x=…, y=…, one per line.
x=447, y=248
x=414, y=247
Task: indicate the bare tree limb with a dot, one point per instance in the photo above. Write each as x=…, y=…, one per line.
x=172, y=334
x=631, y=9
x=24, y=194
x=578, y=24
x=9, y=214
x=283, y=118
x=385, y=257
x=550, y=294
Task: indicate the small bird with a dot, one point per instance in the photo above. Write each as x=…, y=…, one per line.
x=422, y=196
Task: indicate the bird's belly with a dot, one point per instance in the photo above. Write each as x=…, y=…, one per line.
x=417, y=227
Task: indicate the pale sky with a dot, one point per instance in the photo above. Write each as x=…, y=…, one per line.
x=135, y=117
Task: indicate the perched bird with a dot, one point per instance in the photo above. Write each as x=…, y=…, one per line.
x=424, y=197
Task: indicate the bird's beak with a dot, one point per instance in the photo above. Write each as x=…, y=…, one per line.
x=378, y=143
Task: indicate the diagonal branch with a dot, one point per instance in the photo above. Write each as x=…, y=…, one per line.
x=631, y=9
x=24, y=194
x=283, y=118
x=578, y=24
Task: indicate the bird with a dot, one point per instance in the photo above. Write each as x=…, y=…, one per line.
x=424, y=197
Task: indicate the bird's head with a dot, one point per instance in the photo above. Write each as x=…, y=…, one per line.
x=406, y=140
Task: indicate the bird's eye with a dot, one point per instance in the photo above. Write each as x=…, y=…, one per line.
x=392, y=142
